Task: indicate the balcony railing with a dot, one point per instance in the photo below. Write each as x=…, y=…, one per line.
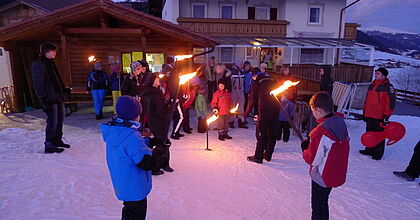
x=235, y=27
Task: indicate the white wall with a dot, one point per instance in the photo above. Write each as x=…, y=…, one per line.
x=171, y=11
x=5, y=70
x=297, y=12
x=241, y=9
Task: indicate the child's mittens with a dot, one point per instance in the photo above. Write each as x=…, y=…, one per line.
x=304, y=144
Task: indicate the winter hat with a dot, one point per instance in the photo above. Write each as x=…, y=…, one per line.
x=45, y=47
x=247, y=63
x=221, y=81
x=128, y=107
x=383, y=71
x=134, y=65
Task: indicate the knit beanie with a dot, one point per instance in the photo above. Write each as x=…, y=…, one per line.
x=128, y=107
x=383, y=71
x=134, y=65
x=45, y=47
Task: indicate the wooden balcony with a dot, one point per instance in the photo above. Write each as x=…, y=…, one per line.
x=350, y=31
x=235, y=27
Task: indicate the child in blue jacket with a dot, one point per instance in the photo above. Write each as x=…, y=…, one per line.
x=129, y=160
x=283, y=124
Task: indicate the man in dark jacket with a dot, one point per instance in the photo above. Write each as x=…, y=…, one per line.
x=50, y=89
x=157, y=113
x=268, y=110
x=413, y=169
x=379, y=105
x=98, y=85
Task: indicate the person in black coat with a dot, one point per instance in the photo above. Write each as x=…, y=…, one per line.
x=326, y=80
x=268, y=113
x=133, y=85
x=413, y=169
x=157, y=112
x=50, y=89
x=98, y=85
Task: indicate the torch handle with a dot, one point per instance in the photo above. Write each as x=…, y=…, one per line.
x=299, y=134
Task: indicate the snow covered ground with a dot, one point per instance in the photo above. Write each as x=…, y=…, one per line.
x=405, y=78
x=219, y=184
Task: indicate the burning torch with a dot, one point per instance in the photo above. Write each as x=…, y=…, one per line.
x=280, y=89
x=214, y=118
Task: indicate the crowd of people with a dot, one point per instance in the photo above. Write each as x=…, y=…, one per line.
x=145, y=104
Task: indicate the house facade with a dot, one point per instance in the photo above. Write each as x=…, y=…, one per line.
x=281, y=32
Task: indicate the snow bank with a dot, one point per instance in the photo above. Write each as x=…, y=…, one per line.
x=219, y=184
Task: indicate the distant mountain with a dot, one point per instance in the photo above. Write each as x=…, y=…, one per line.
x=397, y=43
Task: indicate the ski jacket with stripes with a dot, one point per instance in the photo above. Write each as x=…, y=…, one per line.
x=380, y=99
x=328, y=151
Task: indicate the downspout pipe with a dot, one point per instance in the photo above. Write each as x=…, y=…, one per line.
x=339, y=27
x=341, y=17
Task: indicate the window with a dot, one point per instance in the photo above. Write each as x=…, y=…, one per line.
x=249, y=52
x=315, y=14
x=155, y=60
x=312, y=55
x=262, y=13
x=226, y=54
x=1, y=51
x=199, y=10
x=127, y=58
x=227, y=11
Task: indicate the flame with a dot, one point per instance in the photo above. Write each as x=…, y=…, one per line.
x=161, y=75
x=182, y=57
x=235, y=109
x=212, y=119
x=283, y=87
x=184, y=78
x=91, y=59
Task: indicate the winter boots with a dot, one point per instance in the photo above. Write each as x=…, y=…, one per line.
x=221, y=136
x=404, y=175
x=231, y=124
x=242, y=124
x=51, y=148
x=100, y=116
x=253, y=159
x=62, y=144
x=227, y=136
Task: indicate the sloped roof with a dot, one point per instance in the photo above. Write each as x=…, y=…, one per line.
x=46, y=5
x=48, y=21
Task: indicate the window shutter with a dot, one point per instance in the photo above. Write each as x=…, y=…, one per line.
x=273, y=13
x=251, y=13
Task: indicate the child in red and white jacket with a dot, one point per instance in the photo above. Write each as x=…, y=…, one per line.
x=221, y=104
x=327, y=153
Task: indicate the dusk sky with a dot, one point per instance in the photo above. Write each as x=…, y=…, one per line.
x=386, y=15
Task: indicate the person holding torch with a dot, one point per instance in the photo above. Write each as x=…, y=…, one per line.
x=221, y=104
x=268, y=111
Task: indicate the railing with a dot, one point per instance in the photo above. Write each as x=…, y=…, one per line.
x=7, y=99
x=407, y=96
x=235, y=27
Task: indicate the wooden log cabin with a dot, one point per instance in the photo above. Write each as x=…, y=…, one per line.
x=112, y=33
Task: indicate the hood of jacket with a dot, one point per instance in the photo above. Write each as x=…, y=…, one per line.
x=115, y=135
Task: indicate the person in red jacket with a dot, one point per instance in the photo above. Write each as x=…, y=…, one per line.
x=379, y=105
x=221, y=104
x=327, y=153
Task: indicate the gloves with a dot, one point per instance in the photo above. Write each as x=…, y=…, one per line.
x=215, y=111
x=385, y=119
x=255, y=117
x=305, y=144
